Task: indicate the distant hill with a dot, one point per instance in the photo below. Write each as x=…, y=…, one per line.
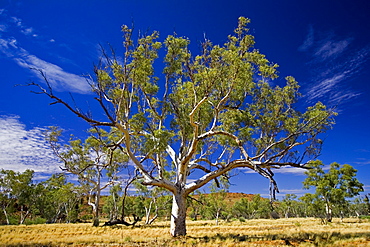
x=231, y=197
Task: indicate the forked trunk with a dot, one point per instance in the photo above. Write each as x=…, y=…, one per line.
x=178, y=215
x=95, y=208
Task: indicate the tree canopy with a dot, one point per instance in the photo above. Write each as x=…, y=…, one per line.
x=334, y=186
x=203, y=115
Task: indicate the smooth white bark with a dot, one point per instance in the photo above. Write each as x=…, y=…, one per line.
x=178, y=215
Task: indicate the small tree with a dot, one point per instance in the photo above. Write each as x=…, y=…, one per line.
x=313, y=206
x=92, y=161
x=255, y=208
x=151, y=200
x=60, y=199
x=16, y=189
x=196, y=203
x=289, y=206
x=212, y=112
x=215, y=204
x=113, y=203
x=333, y=186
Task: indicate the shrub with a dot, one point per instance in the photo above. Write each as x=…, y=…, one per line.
x=35, y=221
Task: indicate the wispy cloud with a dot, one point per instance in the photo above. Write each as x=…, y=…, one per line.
x=22, y=148
x=334, y=61
x=330, y=48
x=23, y=28
x=283, y=170
x=362, y=161
x=59, y=79
x=290, y=170
x=366, y=187
x=293, y=191
x=308, y=42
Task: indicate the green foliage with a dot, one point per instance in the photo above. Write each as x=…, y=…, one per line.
x=91, y=160
x=35, y=203
x=35, y=221
x=16, y=188
x=313, y=206
x=225, y=89
x=60, y=199
x=155, y=202
x=213, y=111
x=334, y=186
x=256, y=208
x=289, y=206
x=113, y=203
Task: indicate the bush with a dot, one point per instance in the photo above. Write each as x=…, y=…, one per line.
x=364, y=217
x=87, y=217
x=13, y=220
x=35, y=221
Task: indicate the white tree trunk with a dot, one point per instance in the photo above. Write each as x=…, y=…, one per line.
x=329, y=214
x=178, y=215
x=6, y=217
x=217, y=216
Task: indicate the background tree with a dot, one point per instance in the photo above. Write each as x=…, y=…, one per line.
x=93, y=161
x=209, y=113
x=196, y=202
x=154, y=201
x=333, y=186
x=17, y=191
x=367, y=202
x=7, y=201
x=215, y=205
x=256, y=208
x=357, y=208
x=60, y=200
x=113, y=203
x=289, y=206
x=313, y=206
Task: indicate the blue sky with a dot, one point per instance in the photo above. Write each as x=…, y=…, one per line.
x=325, y=45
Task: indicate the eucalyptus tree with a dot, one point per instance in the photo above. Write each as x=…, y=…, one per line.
x=367, y=202
x=6, y=200
x=154, y=199
x=332, y=187
x=289, y=206
x=216, y=203
x=60, y=199
x=204, y=115
x=93, y=161
x=313, y=206
x=16, y=188
x=256, y=208
x=113, y=203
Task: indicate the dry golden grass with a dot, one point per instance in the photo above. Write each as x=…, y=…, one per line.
x=294, y=232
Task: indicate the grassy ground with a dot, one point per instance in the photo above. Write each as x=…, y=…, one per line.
x=293, y=232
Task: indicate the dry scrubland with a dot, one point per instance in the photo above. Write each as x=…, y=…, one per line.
x=293, y=232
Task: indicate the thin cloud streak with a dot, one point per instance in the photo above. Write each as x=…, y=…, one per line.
x=59, y=79
x=333, y=62
x=331, y=48
x=282, y=170
x=23, y=149
x=293, y=191
x=308, y=41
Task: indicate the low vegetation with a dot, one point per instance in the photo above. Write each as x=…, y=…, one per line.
x=261, y=232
